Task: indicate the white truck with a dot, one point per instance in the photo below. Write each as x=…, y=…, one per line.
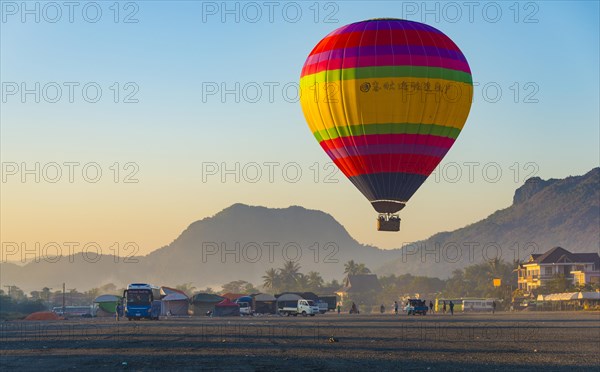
x=245, y=308
x=323, y=306
x=303, y=307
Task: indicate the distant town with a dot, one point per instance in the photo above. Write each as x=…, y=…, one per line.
x=554, y=280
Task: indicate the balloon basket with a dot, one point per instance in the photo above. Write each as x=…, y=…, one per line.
x=388, y=222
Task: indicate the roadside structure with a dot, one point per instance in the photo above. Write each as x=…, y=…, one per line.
x=580, y=268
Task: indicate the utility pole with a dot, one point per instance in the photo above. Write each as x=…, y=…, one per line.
x=9, y=288
x=63, y=299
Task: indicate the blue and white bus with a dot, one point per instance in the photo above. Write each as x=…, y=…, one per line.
x=139, y=301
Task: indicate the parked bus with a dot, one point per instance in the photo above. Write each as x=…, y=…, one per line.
x=479, y=304
x=465, y=304
x=439, y=304
x=138, y=301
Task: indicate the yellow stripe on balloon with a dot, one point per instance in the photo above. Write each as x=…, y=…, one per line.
x=328, y=105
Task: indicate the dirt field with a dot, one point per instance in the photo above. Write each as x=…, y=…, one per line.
x=504, y=341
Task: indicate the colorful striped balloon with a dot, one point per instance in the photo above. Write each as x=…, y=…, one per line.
x=386, y=99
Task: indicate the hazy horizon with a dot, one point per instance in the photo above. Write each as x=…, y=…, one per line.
x=182, y=137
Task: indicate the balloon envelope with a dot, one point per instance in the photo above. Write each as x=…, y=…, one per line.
x=386, y=99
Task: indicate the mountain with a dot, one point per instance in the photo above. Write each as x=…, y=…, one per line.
x=242, y=242
x=544, y=214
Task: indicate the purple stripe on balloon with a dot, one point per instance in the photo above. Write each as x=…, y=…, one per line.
x=374, y=50
x=389, y=139
x=408, y=149
x=385, y=24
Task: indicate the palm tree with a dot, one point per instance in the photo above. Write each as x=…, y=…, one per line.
x=290, y=273
x=315, y=281
x=361, y=269
x=350, y=268
x=353, y=268
x=302, y=283
x=271, y=279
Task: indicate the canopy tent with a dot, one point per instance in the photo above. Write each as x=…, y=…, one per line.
x=232, y=296
x=165, y=291
x=175, y=304
x=288, y=299
x=248, y=299
x=569, y=296
x=203, y=302
x=107, y=304
x=227, y=308
x=265, y=304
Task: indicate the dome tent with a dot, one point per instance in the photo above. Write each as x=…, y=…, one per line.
x=227, y=308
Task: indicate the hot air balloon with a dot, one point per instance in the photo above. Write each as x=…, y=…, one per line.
x=386, y=99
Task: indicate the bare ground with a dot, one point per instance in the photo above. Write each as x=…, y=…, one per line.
x=501, y=342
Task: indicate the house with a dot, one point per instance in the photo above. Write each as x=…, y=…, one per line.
x=581, y=268
x=359, y=285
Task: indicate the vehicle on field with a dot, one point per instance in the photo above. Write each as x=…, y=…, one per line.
x=331, y=301
x=323, y=306
x=302, y=307
x=478, y=305
x=138, y=301
x=74, y=311
x=245, y=308
x=416, y=306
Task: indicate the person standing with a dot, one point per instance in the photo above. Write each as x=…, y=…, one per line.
x=431, y=307
x=382, y=309
x=444, y=307
x=451, y=308
x=396, y=307
x=339, y=309
x=494, y=307
x=118, y=310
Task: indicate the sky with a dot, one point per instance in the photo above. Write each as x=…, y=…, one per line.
x=124, y=122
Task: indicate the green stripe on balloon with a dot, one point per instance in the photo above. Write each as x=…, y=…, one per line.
x=390, y=72
x=387, y=128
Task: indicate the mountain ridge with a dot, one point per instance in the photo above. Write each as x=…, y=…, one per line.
x=243, y=241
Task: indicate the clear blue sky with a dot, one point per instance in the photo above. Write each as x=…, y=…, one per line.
x=178, y=49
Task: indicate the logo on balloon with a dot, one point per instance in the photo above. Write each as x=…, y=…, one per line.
x=365, y=87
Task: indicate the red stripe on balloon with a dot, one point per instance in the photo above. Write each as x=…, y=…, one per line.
x=384, y=37
x=387, y=163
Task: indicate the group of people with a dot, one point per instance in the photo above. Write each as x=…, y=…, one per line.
x=450, y=306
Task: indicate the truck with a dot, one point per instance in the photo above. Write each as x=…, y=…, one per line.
x=245, y=308
x=330, y=300
x=323, y=306
x=303, y=307
x=416, y=306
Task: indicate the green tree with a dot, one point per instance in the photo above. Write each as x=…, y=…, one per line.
x=290, y=274
x=272, y=280
x=187, y=288
x=239, y=286
x=314, y=281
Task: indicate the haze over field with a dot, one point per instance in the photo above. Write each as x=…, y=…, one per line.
x=242, y=242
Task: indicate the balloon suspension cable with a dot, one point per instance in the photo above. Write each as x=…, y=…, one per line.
x=388, y=222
